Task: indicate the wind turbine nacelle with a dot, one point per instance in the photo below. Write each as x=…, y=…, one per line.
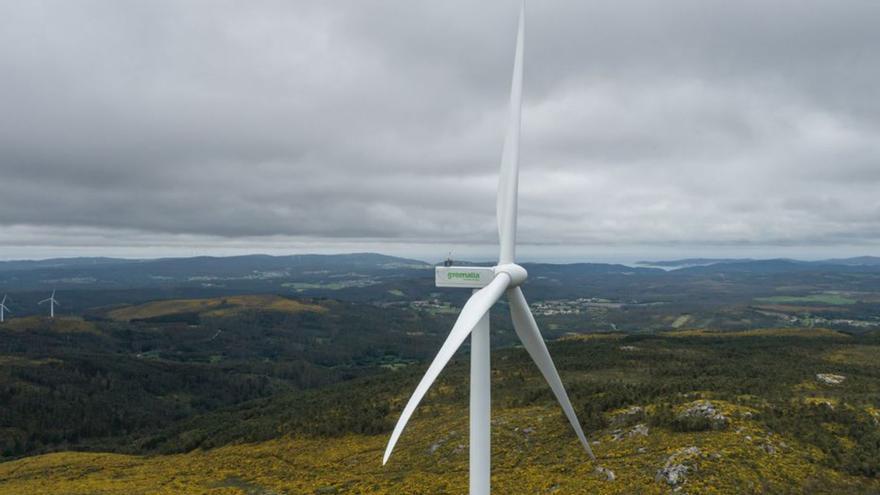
x=467, y=277
x=517, y=274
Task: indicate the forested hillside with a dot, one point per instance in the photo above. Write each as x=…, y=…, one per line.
x=741, y=412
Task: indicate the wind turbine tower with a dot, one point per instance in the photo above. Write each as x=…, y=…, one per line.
x=489, y=284
x=3, y=309
x=52, y=303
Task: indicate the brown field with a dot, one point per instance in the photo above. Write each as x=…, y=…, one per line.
x=61, y=324
x=218, y=307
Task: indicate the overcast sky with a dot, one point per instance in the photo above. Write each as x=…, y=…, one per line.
x=650, y=128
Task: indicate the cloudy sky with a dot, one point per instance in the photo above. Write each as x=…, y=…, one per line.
x=650, y=128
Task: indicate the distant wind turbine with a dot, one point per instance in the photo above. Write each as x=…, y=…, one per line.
x=3, y=309
x=473, y=320
x=52, y=303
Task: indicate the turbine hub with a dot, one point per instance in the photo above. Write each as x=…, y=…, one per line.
x=517, y=274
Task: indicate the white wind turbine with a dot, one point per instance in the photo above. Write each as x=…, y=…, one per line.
x=473, y=320
x=52, y=303
x=3, y=309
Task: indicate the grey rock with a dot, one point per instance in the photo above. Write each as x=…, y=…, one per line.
x=830, y=378
x=607, y=473
x=673, y=474
x=705, y=409
x=678, y=466
x=638, y=430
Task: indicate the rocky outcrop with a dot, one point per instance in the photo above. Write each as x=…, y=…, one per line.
x=606, y=473
x=638, y=430
x=678, y=465
x=707, y=411
x=830, y=378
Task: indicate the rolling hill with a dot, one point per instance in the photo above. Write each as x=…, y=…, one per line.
x=699, y=412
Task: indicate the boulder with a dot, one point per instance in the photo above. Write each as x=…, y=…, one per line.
x=830, y=378
x=706, y=410
x=638, y=430
x=678, y=465
x=606, y=473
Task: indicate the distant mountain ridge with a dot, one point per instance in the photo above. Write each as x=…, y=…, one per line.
x=248, y=274
x=205, y=261
x=696, y=262
x=686, y=262
x=264, y=261
x=14, y=265
x=856, y=261
x=265, y=273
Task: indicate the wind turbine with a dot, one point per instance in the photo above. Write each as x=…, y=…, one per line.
x=3, y=309
x=489, y=284
x=52, y=302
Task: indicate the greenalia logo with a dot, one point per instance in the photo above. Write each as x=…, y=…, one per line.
x=463, y=276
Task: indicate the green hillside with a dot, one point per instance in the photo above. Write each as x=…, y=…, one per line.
x=534, y=453
x=744, y=412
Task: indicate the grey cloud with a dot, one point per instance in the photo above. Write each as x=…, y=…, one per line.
x=689, y=123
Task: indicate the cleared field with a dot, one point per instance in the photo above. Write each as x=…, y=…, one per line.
x=832, y=299
x=342, y=284
x=681, y=321
x=593, y=336
x=61, y=324
x=220, y=306
x=761, y=332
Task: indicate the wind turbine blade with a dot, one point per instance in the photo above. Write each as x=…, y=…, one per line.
x=527, y=330
x=44, y=300
x=505, y=207
x=470, y=315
